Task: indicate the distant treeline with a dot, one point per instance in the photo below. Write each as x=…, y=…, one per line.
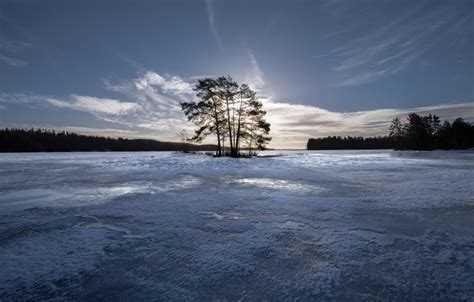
x=417, y=133
x=39, y=140
x=349, y=142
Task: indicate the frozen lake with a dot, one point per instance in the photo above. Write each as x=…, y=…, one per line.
x=319, y=225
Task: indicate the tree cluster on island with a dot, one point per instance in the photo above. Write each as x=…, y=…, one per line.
x=231, y=113
x=41, y=140
x=417, y=133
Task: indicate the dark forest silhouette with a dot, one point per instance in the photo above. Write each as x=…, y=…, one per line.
x=417, y=133
x=349, y=142
x=40, y=140
x=230, y=112
x=427, y=133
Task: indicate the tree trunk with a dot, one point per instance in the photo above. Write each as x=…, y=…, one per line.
x=237, y=139
x=216, y=117
x=230, y=128
x=223, y=144
x=218, y=144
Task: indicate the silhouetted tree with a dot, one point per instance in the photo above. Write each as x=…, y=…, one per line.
x=418, y=133
x=228, y=111
x=444, y=136
x=255, y=130
x=462, y=134
x=396, y=132
x=207, y=112
x=227, y=90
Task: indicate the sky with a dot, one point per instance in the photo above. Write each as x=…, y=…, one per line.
x=322, y=67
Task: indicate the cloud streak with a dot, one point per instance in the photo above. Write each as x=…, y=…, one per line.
x=255, y=76
x=212, y=23
x=12, y=61
x=10, y=46
x=393, y=47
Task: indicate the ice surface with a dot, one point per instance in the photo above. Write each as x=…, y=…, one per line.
x=329, y=225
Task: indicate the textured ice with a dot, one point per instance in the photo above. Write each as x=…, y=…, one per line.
x=326, y=226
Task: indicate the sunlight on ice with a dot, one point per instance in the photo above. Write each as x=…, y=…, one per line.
x=278, y=184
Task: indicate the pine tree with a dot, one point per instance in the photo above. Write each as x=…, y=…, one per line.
x=396, y=132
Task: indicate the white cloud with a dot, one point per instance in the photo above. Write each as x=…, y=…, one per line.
x=172, y=85
x=158, y=95
x=96, y=105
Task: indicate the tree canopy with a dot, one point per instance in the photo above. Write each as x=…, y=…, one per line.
x=427, y=133
x=230, y=112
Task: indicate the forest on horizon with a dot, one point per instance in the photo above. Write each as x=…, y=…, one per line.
x=44, y=140
x=419, y=132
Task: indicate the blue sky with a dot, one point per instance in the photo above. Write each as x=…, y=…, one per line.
x=327, y=67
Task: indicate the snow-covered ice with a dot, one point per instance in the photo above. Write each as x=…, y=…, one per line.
x=329, y=225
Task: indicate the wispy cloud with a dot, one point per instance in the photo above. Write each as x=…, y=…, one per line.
x=339, y=32
x=11, y=45
x=212, y=23
x=255, y=77
x=29, y=100
x=393, y=47
x=8, y=51
x=12, y=61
